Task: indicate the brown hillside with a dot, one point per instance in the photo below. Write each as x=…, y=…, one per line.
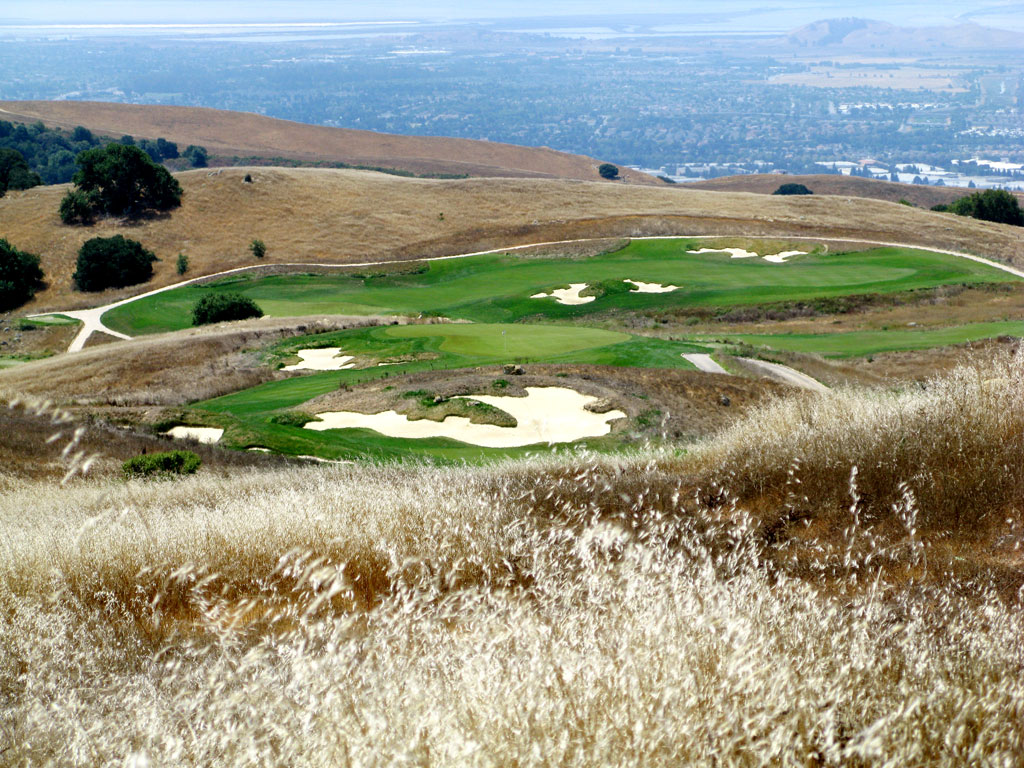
x=345, y=216
x=834, y=184
x=245, y=134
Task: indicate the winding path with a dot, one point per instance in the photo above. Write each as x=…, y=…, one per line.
x=92, y=319
x=704, y=363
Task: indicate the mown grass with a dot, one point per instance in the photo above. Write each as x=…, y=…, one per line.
x=249, y=414
x=864, y=343
x=497, y=288
x=571, y=611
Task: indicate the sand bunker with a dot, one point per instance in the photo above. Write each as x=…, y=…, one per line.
x=651, y=287
x=199, y=434
x=545, y=415
x=570, y=295
x=740, y=253
x=323, y=359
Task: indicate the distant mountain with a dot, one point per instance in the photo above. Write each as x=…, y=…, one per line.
x=862, y=34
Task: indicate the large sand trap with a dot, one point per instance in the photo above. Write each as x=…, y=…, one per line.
x=323, y=359
x=199, y=434
x=651, y=287
x=545, y=415
x=570, y=295
x=740, y=253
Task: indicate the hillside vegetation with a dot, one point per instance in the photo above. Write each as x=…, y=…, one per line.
x=639, y=610
x=342, y=216
x=245, y=134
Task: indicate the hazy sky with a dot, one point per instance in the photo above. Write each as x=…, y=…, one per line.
x=776, y=14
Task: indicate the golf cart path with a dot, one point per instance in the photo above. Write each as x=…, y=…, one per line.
x=92, y=321
x=784, y=373
x=705, y=363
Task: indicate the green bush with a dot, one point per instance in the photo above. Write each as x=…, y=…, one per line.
x=20, y=276
x=792, y=189
x=182, y=265
x=165, y=464
x=15, y=173
x=608, y=171
x=218, y=307
x=77, y=207
x=258, y=248
x=112, y=262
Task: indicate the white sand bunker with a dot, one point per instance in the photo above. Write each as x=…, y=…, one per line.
x=545, y=415
x=323, y=359
x=199, y=434
x=740, y=253
x=570, y=295
x=641, y=287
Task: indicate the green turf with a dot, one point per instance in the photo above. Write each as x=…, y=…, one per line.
x=497, y=288
x=248, y=414
x=863, y=343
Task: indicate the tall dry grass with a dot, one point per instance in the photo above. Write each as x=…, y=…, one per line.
x=603, y=611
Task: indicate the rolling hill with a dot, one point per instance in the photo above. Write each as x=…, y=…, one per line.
x=249, y=135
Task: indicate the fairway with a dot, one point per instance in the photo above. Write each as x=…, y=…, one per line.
x=497, y=288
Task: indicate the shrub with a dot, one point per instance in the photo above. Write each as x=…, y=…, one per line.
x=182, y=264
x=258, y=248
x=218, y=307
x=124, y=181
x=608, y=171
x=164, y=464
x=77, y=207
x=20, y=276
x=792, y=189
x=112, y=262
x=196, y=155
x=15, y=173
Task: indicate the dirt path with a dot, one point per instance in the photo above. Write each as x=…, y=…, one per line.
x=92, y=321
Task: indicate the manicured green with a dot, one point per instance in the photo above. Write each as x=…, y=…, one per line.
x=863, y=343
x=497, y=288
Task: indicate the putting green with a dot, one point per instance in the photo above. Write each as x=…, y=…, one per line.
x=487, y=340
x=497, y=288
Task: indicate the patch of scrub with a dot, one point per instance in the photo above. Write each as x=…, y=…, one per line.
x=545, y=415
x=323, y=359
x=641, y=287
x=199, y=434
x=570, y=295
x=741, y=253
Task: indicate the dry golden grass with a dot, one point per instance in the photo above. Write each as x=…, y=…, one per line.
x=245, y=134
x=547, y=612
x=312, y=215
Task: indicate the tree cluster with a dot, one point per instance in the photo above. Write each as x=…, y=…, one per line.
x=48, y=152
x=112, y=262
x=118, y=180
x=996, y=205
x=792, y=189
x=20, y=276
x=15, y=173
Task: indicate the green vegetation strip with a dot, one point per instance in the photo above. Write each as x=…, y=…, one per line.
x=249, y=415
x=863, y=343
x=497, y=288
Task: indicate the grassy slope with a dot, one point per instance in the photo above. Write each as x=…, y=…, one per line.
x=861, y=343
x=310, y=215
x=834, y=184
x=493, y=288
x=247, y=413
x=244, y=134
